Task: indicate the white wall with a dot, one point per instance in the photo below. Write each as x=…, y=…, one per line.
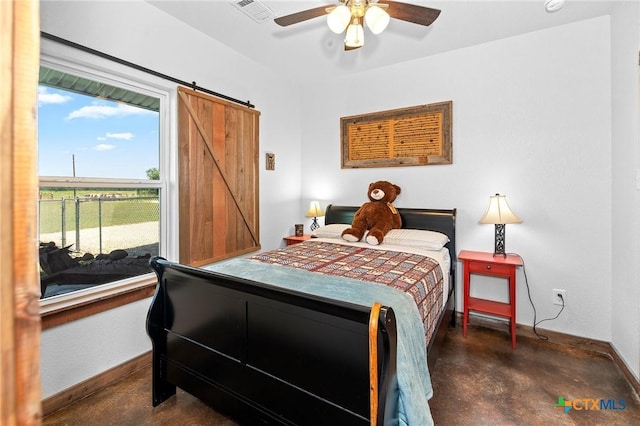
x=76, y=351
x=140, y=33
x=531, y=119
x=626, y=170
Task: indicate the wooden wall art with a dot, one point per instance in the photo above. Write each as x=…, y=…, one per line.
x=414, y=136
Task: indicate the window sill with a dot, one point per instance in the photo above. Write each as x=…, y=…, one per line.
x=58, y=310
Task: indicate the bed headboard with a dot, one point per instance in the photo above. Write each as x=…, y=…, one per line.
x=440, y=220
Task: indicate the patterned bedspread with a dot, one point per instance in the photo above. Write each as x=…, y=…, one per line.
x=418, y=275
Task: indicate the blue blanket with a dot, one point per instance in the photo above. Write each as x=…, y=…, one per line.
x=413, y=378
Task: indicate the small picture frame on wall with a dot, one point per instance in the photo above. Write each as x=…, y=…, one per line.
x=414, y=136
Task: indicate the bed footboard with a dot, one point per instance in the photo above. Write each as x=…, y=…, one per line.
x=265, y=355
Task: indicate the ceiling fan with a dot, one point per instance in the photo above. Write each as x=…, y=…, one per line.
x=350, y=14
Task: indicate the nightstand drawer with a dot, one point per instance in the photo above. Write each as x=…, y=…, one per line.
x=489, y=268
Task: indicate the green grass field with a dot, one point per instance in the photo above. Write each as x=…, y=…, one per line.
x=127, y=208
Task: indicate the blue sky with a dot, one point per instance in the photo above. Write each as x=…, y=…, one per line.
x=107, y=139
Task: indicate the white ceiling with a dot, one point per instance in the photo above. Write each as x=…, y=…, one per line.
x=309, y=50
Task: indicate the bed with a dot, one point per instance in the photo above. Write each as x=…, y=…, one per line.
x=265, y=342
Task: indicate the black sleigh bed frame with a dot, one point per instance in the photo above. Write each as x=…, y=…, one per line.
x=265, y=355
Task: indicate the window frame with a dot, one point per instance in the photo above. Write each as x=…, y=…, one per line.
x=68, y=307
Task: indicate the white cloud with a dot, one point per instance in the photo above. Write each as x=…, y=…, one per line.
x=104, y=147
x=101, y=138
x=97, y=110
x=126, y=136
x=45, y=98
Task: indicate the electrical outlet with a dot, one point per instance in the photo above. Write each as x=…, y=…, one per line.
x=559, y=297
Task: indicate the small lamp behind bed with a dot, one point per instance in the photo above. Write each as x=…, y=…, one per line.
x=315, y=211
x=499, y=213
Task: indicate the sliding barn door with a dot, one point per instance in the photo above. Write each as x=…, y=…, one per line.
x=218, y=161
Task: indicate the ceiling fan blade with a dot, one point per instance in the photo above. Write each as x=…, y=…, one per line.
x=294, y=18
x=412, y=13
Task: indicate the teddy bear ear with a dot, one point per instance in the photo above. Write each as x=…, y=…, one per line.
x=397, y=189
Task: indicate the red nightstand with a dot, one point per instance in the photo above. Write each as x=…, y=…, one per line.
x=292, y=239
x=481, y=263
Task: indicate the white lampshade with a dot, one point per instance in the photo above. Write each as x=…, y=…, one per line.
x=355, y=36
x=376, y=19
x=499, y=211
x=314, y=210
x=339, y=18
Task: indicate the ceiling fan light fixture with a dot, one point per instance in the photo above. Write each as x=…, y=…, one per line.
x=339, y=18
x=376, y=19
x=354, y=37
x=348, y=17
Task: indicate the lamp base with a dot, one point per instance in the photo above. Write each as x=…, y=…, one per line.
x=499, y=241
x=314, y=224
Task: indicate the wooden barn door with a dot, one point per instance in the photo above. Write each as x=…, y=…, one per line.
x=218, y=172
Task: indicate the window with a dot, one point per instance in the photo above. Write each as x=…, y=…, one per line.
x=102, y=205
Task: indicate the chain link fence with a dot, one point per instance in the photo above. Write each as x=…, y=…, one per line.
x=102, y=223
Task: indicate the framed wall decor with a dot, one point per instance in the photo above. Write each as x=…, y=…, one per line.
x=413, y=136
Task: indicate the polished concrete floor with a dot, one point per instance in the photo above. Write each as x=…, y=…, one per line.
x=477, y=380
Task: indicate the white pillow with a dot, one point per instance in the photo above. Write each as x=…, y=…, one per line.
x=331, y=231
x=429, y=240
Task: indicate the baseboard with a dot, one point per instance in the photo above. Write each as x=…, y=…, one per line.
x=93, y=384
x=583, y=343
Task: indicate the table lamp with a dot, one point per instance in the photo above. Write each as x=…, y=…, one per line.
x=315, y=211
x=499, y=213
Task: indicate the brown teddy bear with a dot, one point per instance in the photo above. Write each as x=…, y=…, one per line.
x=378, y=215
